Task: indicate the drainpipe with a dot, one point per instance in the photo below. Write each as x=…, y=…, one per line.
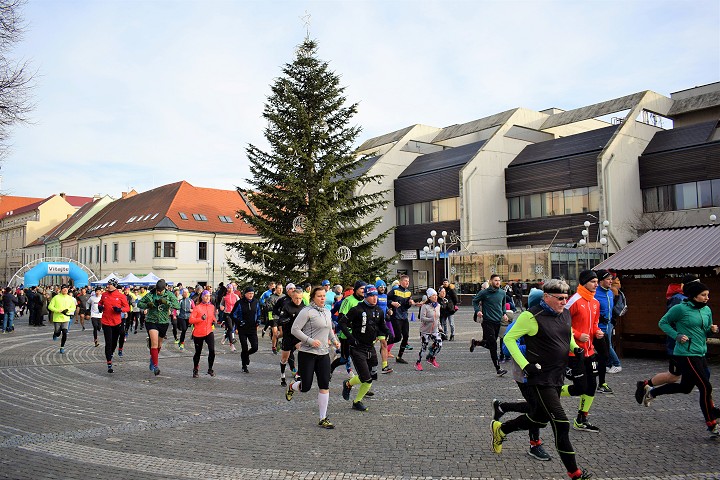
x=606, y=199
x=213, y=260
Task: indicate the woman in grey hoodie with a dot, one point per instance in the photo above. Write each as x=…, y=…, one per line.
x=313, y=328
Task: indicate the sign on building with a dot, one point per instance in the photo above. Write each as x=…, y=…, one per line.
x=56, y=269
x=408, y=255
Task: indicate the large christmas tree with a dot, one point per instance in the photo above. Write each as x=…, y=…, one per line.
x=312, y=221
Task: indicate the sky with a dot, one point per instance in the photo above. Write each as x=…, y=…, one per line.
x=138, y=94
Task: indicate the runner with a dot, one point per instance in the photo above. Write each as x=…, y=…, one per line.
x=362, y=325
x=429, y=330
x=156, y=307
x=112, y=304
x=286, y=317
x=61, y=307
x=95, y=314
x=186, y=308
x=313, y=327
x=203, y=319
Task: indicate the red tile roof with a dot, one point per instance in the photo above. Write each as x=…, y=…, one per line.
x=10, y=204
x=162, y=208
x=28, y=207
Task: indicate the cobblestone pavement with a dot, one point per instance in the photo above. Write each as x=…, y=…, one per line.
x=64, y=417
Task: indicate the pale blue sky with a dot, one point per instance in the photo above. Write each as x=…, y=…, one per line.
x=144, y=93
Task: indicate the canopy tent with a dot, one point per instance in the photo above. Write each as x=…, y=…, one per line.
x=130, y=279
x=104, y=281
x=150, y=280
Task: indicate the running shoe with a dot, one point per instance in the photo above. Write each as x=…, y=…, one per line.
x=472, y=345
x=497, y=411
x=605, y=388
x=418, y=366
x=177, y=341
x=156, y=371
x=196, y=373
x=434, y=363
x=648, y=397
x=498, y=437
x=211, y=372
x=585, y=426
x=501, y=372
x=245, y=369
x=714, y=430
x=359, y=406
x=539, y=453
x=62, y=350
x=232, y=347
x=325, y=423
x=387, y=369
x=289, y=392
x=640, y=391
x=54, y=338
x=614, y=370
x=283, y=382
x=400, y=360
x=408, y=347
x=346, y=390
x=580, y=475
x=181, y=346
x=370, y=393
x=222, y=342
x=97, y=344
x=120, y=352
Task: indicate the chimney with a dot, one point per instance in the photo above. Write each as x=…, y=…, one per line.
x=62, y=195
x=123, y=194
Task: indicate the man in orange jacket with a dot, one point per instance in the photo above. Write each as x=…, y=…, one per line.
x=585, y=312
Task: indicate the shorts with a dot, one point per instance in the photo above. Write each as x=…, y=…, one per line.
x=160, y=327
x=85, y=311
x=289, y=342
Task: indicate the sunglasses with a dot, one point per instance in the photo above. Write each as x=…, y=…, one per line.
x=561, y=298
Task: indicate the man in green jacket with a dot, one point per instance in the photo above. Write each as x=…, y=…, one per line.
x=157, y=304
x=489, y=306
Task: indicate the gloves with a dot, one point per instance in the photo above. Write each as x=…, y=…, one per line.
x=578, y=369
x=680, y=337
x=117, y=309
x=65, y=312
x=100, y=308
x=532, y=370
x=204, y=317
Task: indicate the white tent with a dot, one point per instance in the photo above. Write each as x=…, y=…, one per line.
x=104, y=281
x=130, y=279
x=151, y=279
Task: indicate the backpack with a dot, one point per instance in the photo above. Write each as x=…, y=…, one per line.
x=620, y=307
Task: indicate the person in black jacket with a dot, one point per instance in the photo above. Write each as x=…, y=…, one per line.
x=286, y=316
x=447, y=312
x=9, y=303
x=362, y=325
x=246, y=316
x=453, y=298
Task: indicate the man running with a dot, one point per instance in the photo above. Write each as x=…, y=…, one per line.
x=489, y=306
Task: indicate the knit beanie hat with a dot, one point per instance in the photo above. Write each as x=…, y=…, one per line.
x=586, y=276
x=359, y=284
x=430, y=292
x=535, y=296
x=694, y=288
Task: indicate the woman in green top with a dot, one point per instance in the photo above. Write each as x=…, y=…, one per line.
x=690, y=323
x=157, y=305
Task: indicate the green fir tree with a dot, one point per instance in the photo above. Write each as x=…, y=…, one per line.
x=304, y=198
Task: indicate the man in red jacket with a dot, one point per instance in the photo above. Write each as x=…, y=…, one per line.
x=112, y=303
x=585, y=312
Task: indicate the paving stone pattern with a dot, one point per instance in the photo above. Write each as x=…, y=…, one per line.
x=64, y=417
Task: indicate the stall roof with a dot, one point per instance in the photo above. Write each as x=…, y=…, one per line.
x=669, y=249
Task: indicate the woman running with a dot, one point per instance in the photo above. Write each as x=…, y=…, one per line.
x=203, y=319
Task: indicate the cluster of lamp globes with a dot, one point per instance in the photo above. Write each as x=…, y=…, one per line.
x=603, y=233
x=430, y=241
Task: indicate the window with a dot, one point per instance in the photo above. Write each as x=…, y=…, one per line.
x=164, y=250
x=116, y=250
x=514, y=207
x=89, y=257
x=105, y=253
x=97, y=254
x=202, y=250
x=132, y=251
x=716, y=192
x=199, y=217
x=154, y=216
x=402, y=215
x=650, y=200
x=182, y=216
x=225, y=219
x=554, y=204
x=686, y=196
x=704, y=194
x=446, y=209
x=531, y=206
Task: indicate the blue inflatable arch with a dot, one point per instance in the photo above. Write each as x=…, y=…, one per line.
x=56, y=269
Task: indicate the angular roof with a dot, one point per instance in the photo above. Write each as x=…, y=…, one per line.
x=474, y=126
x=76, y=201
x=694, y=103
x=450, y=157
x=72, y=200
x=681, y=137
x=177, y=205
x=581, y=143
x=9, y=203
x=669, y=249
x=384, y=139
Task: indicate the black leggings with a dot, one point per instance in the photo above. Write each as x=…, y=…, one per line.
x=585, y=384
x=546, y=407
x=246, y=352
x=524, y=407
x=694, y=374
x=112, y=335
x=491, y=330
x=60, y=329
x=602, y=348
x=311, y=365
x=210, y=340
x=96, y=326
x=182, y=325
x=344, y=357
x=402, y=332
